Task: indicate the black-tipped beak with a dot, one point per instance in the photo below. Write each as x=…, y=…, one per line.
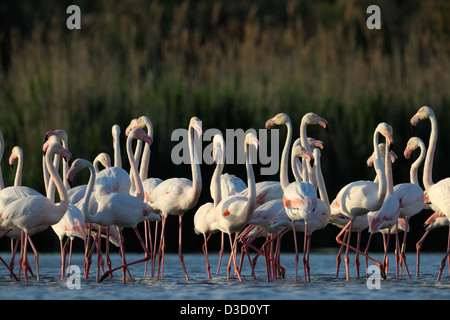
x=11, y=166
x=69, y=182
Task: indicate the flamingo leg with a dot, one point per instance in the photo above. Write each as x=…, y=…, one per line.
x=419, y=248
x=296, y=249
x=220, y=252
x=305, y=253
x=154, y=249
x=36, y=255
x=338, y=257
x=358, y=243
x=205, y=252
x=443, y=264
x=180, y=242
x=161, y=248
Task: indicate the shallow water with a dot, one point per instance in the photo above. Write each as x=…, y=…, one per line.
x=323, y=285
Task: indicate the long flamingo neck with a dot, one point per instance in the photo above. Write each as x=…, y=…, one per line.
x=428, y=166
x=306, y=165
x=378, y=164
x=284, y=178
x=64, y=198
x=217, y=188
x=251, y=203
x=19, y=170
x=195, y=168
x=413, y=173
x=145, y=161
x=388, y=169
x=137, y=180
x=117, y=155
x=87, y=195
x=320, y=181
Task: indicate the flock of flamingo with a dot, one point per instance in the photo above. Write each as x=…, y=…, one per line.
x=114, y=199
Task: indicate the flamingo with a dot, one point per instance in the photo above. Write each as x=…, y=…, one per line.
x=386, y=217
x=149, y=184
x=360, y=197
x=232, y=213
x=439, y=192
x=37, y=211
x=300, y=200
x=410, y=195
x=175, y=196
x=205, y=213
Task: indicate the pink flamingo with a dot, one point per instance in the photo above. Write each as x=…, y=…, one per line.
x=37, y=211
x=386, y=217
x=175, y=196
x=232, y=213
x=205, y=213
x=438, y=193
x=149, y=184
x=360, y=197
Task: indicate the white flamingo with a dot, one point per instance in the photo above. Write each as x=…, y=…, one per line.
x=439, y=192
x=175, y=196
x=360, y=197
x=232, y=213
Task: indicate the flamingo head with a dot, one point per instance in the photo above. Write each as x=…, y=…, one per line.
x=279, y=119
x=312, y=118
x=133, y=124
x=196, y=123
x=413, y=144
x=138, y=133
x=423, y=113
x=15, y=153
x=299, y=151
x=104, y=159
x=387, y=131
x=56, y=148
x=218, y=151
x=59, y=133
x=115, y=133
x=314, y=143
x=76, y=167
x=250, y=138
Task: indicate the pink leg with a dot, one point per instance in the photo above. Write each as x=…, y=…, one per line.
x=220, y=252
x=161, y=248
x=358, y=243
x=296, y=250
x=338, y=257
x=418, y=249
x=305, y=253
x=180, y=241
x=205, y=252
x=443, y=264
x=154, y=249
x=36, y=257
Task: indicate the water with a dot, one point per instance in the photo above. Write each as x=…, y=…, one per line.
x=324, y=284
